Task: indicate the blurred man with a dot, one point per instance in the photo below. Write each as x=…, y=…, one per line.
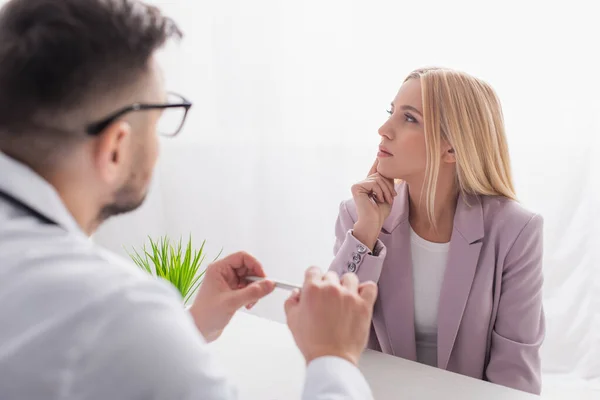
x=81, y=104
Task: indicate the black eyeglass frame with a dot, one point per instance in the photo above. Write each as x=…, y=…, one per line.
x=97, y=127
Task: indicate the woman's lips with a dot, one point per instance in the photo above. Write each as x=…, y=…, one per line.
x=383, y=152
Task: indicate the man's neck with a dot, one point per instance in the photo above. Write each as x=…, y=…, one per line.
x=80, y=203
x=65, y=174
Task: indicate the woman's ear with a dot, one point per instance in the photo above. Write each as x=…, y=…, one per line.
x=449, y=155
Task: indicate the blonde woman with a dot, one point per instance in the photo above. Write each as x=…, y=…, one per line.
x=458, y=261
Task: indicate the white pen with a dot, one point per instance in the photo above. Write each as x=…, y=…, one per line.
x=278, y=284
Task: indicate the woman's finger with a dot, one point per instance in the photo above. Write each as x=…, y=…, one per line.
x=385, y=188
x=374, y=167
x=377, y=193
x=389, y=183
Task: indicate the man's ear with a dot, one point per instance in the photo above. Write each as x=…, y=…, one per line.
x=111, y=150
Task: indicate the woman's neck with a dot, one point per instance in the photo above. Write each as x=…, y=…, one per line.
x=446, y=197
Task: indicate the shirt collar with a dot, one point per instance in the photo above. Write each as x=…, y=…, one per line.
x=28, y=188
x=468, y=219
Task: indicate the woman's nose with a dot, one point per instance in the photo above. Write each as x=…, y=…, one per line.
x=386, y=131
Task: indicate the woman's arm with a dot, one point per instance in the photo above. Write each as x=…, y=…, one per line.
x=351, y=255
x=519, y=328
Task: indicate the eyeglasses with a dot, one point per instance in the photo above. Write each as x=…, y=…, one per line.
x=171, y=121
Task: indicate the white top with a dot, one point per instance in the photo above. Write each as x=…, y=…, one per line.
x=80, y=323
x=429, y=265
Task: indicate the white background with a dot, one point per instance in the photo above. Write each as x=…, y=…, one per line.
x=288, y=96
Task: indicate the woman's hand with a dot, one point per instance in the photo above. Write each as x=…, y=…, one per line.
x=373, y=197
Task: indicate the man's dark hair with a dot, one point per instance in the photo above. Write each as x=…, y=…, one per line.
x=59, y=55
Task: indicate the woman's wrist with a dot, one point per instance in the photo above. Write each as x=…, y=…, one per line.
x=367, y=234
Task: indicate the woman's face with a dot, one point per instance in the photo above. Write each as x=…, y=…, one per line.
x=402, y=153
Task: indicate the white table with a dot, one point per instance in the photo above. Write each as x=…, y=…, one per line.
x=261, y=357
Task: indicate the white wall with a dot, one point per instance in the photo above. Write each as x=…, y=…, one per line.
x=288, y=96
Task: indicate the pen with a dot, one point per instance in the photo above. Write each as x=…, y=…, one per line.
x=278, y=284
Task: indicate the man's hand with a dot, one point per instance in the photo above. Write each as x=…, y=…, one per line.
x=329, y=317
x=224, y=290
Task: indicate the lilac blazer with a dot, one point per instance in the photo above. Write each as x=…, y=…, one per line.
x=490, y=318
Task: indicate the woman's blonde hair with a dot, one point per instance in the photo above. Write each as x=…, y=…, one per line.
x=464, y=112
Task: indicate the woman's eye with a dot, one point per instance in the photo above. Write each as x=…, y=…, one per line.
x=410, y=118
x=389, y=112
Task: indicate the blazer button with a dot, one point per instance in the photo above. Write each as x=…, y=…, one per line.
x=361, y=249
x=351, y=267
x=356, y=258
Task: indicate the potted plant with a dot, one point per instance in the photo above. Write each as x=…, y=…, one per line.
x=174, y=263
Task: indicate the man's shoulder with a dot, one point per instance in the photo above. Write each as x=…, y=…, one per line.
x=51, y=245
x=64, y=271
x=71, y=306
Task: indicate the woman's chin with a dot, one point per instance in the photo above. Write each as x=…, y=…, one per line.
x=386, y=172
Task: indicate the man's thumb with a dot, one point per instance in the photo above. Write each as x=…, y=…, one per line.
x=253, y=292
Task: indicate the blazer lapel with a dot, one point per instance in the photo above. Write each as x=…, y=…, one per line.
x=394, y=312
x=463, y=257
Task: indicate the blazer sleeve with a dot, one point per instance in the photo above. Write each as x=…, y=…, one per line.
x=350, y=255
x=519, y=328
